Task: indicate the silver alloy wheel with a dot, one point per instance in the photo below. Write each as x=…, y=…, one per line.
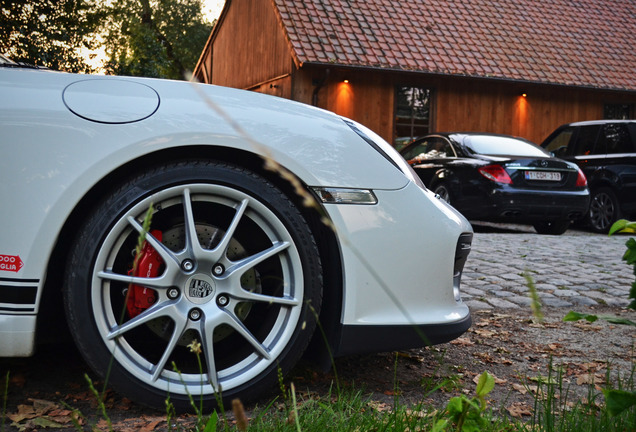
x=602, y=211
x=208, y=301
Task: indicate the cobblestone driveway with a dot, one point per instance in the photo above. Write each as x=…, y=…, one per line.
x=577, y=268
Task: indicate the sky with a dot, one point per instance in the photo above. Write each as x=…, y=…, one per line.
x=212, y=8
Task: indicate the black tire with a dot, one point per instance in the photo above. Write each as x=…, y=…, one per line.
x=604, y=209
x=552, y=227
x=444, y=192
x=244, y=290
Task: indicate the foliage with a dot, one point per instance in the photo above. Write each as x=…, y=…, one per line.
x=4, y=401
x=557, y=409
x=576, y=316
x=154, y=38
x=50, y=33
x=624, y=226
x=535, y=301
x=467, y=414
x=620, y=226
x=617, y=401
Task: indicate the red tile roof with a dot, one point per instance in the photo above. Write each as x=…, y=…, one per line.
x=588, y=43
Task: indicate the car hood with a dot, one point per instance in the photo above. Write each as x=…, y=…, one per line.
x=104, y=122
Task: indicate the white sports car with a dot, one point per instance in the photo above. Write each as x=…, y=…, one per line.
x=265, y=219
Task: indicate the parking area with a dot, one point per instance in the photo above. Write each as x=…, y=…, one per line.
x=576, y=269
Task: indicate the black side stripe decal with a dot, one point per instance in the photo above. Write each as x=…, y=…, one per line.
x=18, y=295
x=3, y=279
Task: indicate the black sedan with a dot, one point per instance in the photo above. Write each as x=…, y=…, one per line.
x=501, y=178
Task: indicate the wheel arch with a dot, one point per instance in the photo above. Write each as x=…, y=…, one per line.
x=603, y=178
x=445, y=176
x=51, y=324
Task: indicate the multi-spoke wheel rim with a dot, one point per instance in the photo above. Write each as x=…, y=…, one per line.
x=242, y=329
x=602, y=211
x=443, y=193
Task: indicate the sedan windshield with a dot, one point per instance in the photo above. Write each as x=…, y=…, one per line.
x=498, y=145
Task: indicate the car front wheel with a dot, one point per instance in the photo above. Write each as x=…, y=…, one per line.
x=218, y=299
x=604, y=210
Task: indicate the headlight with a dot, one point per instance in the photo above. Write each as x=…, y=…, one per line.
x=385, y=149
x=345, y=196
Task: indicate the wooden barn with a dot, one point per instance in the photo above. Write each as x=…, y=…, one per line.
x=406, y=68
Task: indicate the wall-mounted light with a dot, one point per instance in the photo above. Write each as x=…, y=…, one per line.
x=346, y=81
x=524, y=95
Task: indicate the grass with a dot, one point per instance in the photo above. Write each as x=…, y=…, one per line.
x=5, y=398
x=555, y=407
x=350, y=409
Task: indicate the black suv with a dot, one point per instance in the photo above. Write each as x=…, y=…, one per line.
x=606, y=152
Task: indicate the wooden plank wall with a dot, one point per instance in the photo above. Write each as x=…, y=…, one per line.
x=365, y=98
x=250, y=49
x=477, y=105
x=460, y=104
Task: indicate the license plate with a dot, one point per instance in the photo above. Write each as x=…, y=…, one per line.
x=543, y=175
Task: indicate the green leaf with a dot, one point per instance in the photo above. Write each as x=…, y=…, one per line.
x=576, y=316
x=455, y=407
x=46, y=422
x=617, y=226
x=630, y=253
x=617, y=320
x=546, y=380
x=440, y=426
x=624, y=226
x=474, y=422
x=210, y=426
x=485, y=384
x=618, y=401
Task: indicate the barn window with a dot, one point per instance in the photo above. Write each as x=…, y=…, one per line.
x=620, y=111
x=412, y=117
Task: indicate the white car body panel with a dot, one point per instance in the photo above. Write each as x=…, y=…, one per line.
x=52, y=157
x=17, y=335
x=377, y=299
x=94, y=149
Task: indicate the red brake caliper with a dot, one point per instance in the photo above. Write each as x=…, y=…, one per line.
x=141, y=298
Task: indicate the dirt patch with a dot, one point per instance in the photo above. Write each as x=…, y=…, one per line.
x=510, y=345
x=513, y=348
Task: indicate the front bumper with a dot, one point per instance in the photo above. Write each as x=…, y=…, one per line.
x=357, y=339
x=399, y=271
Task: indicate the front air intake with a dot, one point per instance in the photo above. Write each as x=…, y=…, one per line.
x=461, y=255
